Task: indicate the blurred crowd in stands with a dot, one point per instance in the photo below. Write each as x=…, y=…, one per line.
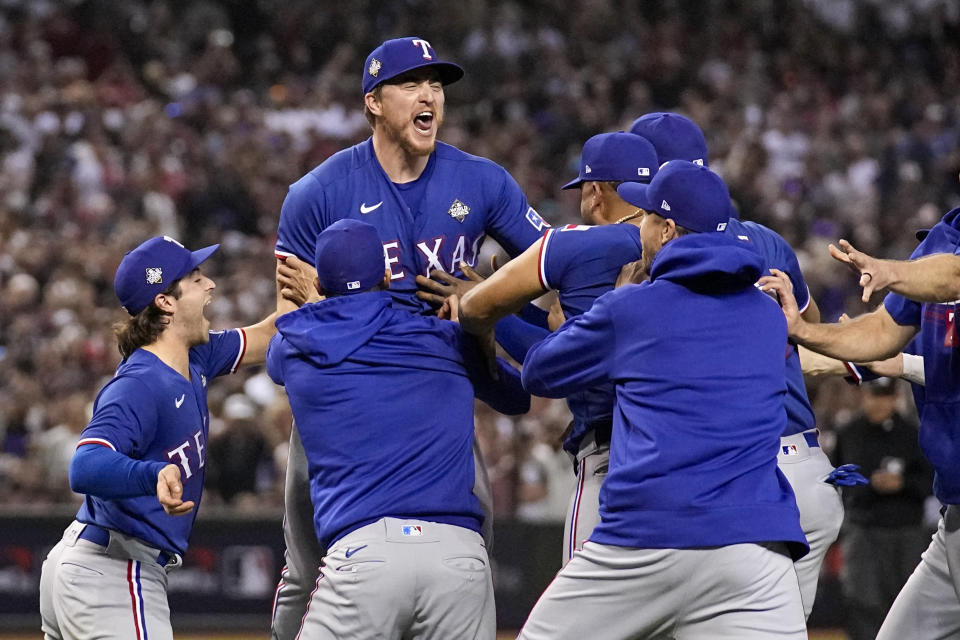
x=124, y=120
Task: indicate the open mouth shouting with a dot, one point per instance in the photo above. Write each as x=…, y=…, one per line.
x=423, y=123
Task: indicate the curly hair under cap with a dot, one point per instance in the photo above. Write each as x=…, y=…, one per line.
x=145, y=327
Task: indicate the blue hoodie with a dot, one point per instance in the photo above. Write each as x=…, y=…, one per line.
x=938, y=404
x=383, y=401
x=698, y=357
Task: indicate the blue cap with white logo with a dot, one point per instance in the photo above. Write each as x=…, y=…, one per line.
x=152, y=267
x=675, y=137
x=691, y=195
x=349, y=257
x=400, y=55
x=616, y=157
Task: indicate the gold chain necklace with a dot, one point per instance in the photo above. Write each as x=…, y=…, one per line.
x=629, y=217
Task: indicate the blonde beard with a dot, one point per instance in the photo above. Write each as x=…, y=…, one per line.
x=399, y=137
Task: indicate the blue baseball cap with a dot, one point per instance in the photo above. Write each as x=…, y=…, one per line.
x=693, y=196
x=616, y=157
x=675, y=137
x=349, y=257
x=400, y=55
x=152, y=267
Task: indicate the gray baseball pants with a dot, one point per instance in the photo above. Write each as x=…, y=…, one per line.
x=403, y=580
x=928, y=607
x=583, y=512
x=303, y=553
x=820, y=505
x=737, y=592
x=117, y=592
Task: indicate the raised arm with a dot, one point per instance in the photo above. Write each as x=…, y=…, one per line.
x=934, y=278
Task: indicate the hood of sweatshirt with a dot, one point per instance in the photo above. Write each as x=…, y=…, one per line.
x=329, y=331
x=708, y=262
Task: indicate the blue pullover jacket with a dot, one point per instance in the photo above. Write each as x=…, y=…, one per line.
x=697, y=355
x=383, y=401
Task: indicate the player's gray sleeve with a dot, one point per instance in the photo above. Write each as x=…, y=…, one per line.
x=303, y=553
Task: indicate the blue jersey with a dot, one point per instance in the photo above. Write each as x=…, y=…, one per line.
x=939, y=343
x=383, y=401
x=465, y=198
x=148, y=411
x=697, y=357
x=582, y=263
x=777, y=254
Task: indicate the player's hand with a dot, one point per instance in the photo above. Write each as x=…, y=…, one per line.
x=781, y=285
x=555, y=317
x=295, y=280
x=450, y=309
x=441, y=285
x=170, y=491
x=874, y=274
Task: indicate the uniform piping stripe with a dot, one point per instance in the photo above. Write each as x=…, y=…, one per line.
x=575, y=516
x=809, y=298
x=309, y=602
x=854, y=373
x=541, y=261
x=136, y=599
x=243, y=350
x=276, y=593
x=99, y=441
x=282, y=255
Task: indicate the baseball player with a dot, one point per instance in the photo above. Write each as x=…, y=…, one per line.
x=581, y=263
x=928, y=606
x=141, y=460
x=391, y=483
x=432, y=206
x=698, y=525
x=557, y=263
x=801, y=459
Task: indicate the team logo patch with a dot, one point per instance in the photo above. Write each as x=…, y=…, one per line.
x=458, y=211
x=587, y=169
x=643, y=172
x=665, y=205
x=354, y=284
x=154, y=275
x=790, y=450
x=411, y=530
x=534, y=219
x=721, y=226
x=374, y=67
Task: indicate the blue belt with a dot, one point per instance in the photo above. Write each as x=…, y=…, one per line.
x=100, y=536
x=811, y=438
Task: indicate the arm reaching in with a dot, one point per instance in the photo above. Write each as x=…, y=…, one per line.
x=873, y=336
x=505, y=292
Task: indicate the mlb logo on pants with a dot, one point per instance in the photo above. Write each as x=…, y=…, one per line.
x=411, y=530
x=790, y=450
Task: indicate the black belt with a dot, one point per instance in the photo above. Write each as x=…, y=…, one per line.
x=100, y=536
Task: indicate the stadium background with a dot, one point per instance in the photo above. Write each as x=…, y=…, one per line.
x=119, y=121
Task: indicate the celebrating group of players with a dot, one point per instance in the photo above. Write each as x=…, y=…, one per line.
x=704, y=505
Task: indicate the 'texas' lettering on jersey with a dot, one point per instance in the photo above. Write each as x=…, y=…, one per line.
x=433, y=253
x=189, y=450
